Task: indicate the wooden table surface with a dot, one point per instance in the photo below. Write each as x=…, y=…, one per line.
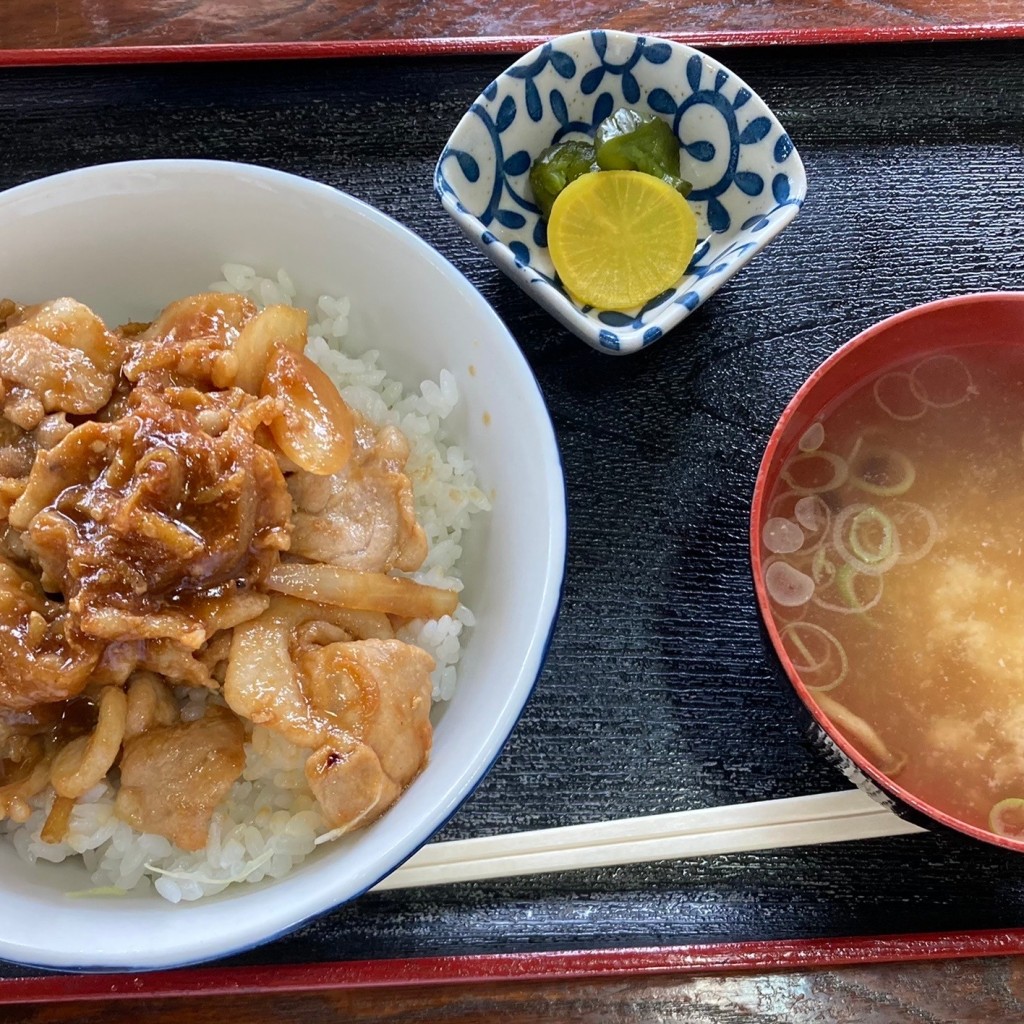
x=33, y=25
x=962, y=990
x=968, y=990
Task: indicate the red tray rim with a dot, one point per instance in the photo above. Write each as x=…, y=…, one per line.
x=716, y=958
x=792, y=954
x=488, y=45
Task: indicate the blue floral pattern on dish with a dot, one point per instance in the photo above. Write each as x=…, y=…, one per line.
x=748, y=181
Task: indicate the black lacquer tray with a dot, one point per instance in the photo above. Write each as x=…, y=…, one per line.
x=657, y=695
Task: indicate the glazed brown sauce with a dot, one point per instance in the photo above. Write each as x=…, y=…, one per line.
x=45, y=727
x=166, y=513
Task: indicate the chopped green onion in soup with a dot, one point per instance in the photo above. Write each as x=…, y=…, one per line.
x=910, y=497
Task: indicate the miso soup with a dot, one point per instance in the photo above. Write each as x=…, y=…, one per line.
x=894, y=563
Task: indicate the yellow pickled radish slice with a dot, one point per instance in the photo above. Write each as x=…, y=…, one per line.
x=618, y=238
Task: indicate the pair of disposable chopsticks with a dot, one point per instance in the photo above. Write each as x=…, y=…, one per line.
x=735, y=828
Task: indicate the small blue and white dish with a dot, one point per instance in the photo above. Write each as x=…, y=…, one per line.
x=748, y=180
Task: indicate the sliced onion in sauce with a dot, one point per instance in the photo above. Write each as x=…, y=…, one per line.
x=932, y=377
x=835, y=472
x=782, y=536
x=818, y=654
x=315, y=428
x=787, y=585
x=899, y=397
x=812, y=438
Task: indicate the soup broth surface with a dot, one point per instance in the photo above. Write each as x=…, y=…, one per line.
x=894, y=562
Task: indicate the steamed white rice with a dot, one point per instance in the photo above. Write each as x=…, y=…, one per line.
x=270, y=821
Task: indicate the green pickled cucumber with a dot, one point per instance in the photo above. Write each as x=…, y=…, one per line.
x=556, y=167
x=631, y=141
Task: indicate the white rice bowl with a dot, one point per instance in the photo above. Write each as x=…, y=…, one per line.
x=410, y=343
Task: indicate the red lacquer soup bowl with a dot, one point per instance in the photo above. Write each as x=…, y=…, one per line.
x=941, y=340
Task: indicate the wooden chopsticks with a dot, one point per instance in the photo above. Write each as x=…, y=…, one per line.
x=770, y=824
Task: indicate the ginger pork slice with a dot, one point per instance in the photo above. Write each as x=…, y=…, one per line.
x=57, y=357
x=362, y=517
x=173, y=778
